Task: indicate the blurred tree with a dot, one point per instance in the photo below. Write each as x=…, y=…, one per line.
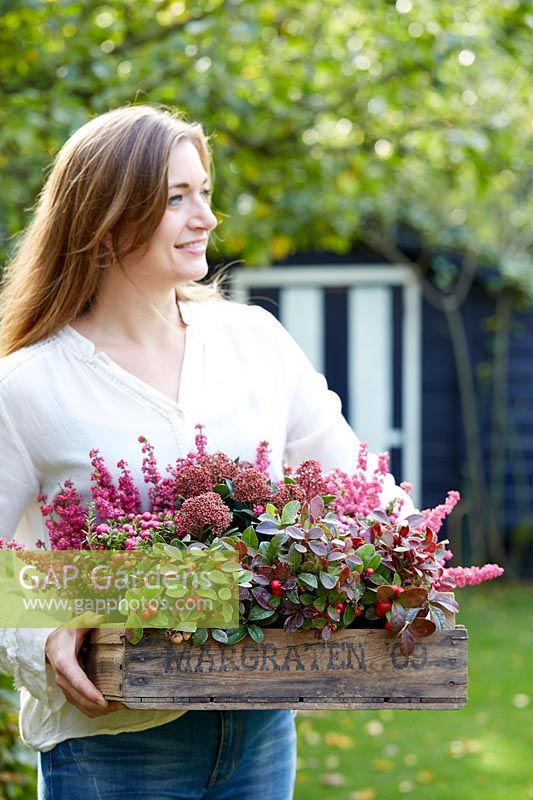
x=331, y=120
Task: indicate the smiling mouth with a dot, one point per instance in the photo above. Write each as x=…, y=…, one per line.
x=199, y=245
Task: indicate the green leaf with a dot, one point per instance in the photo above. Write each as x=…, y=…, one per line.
x=374, y=562
x=236, y=634
x=348, y=616
x=295, y=559
x=249, y=537
x=290, y=512
x=222, y=489
x=328, y=580
x=200, y=636
x=308, y=579
x=366, y=552
x=256, y=633
x=272, y=511
x=258, y=613
x=134, y=629
x=320, y=603
x=219, y=635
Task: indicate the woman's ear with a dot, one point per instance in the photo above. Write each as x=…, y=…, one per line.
x=107, y=242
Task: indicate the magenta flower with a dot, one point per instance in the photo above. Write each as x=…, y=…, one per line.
x=68, y=530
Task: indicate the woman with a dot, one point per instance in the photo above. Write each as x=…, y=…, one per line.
x=105, y=335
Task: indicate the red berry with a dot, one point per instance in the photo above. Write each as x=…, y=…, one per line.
x=397, y=589
x=369, y=571
x=382, y=608
x=388, y=626
x=340, y=607
x=275, y=586
x=358, y=612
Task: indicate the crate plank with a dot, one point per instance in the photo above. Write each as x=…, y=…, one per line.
x=355, y=669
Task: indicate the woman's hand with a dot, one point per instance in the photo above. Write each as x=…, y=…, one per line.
x=62, y=650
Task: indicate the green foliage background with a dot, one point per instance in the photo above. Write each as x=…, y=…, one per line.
x=331, y=120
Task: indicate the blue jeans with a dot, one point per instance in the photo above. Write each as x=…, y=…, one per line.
x=203, y=755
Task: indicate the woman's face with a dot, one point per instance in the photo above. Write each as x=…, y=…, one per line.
x=176, y=253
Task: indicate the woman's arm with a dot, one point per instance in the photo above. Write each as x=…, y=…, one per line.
x=42, y=660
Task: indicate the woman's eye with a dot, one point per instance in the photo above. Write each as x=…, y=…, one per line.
x=206, y=193
x=175, y=199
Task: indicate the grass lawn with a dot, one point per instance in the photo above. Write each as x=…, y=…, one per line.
x=481, y=752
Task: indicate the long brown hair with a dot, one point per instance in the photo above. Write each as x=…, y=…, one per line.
x=109, y=178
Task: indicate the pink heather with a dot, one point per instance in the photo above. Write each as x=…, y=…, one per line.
x=128, y=495
x=204, y=511
x=103, y=489
x=200, y=440
x=163, y=496
x=468, y=576
x=383, y=463
x=11, y=544
x=67, y=532
x=434, y=517
x=149, y=464
x=406, y=486
x=362, y=458
x=262, y=458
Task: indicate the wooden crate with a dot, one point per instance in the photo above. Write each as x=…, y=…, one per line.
x=358, y=669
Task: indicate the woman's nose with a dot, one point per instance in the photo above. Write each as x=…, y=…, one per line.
x=203, y=217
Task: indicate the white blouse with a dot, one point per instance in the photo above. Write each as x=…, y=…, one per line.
x=243, y=377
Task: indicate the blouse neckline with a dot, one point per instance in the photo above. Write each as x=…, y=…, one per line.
x=82, y=344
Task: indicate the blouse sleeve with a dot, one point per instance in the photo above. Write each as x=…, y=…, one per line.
x=22, y=650
x=316, y=426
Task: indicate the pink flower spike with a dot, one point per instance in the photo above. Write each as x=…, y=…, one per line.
x=261, y=458
x=460, y=577
x=200, y=440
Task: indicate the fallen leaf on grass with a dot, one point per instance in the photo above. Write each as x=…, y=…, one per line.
x=363, y=794
x=521, y=700
x=383, y=764
x=374, y=727
x=332, y=779
x=340, y=740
